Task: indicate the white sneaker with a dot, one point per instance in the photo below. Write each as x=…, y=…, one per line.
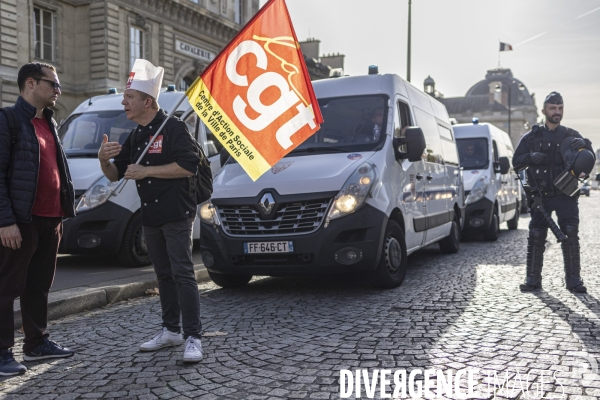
x=193, y=350
x=165, y=338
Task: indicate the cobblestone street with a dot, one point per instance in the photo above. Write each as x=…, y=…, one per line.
x=287, y=338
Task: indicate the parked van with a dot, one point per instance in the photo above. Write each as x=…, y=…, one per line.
x=107, y=222
x=353, y=197
x=491, y=186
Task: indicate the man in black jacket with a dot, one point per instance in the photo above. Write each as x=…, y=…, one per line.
x=539, y=152
x=167, y=208
x=36, y=192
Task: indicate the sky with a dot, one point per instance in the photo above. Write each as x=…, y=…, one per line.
x=556, y=44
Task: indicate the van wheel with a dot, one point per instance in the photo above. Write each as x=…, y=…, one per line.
x=524, y=208
x=513, y=223
x=493, y=231
x=451, y=243
x=229, y=280
x=392, y=266
x=133, y=252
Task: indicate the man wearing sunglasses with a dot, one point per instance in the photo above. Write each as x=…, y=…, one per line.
x=36, y=192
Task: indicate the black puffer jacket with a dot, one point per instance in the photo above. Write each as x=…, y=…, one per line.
x=18, y=180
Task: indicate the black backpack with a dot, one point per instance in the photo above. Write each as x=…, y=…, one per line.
x=201, y=184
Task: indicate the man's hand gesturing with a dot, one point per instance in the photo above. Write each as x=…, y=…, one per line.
x=107, y=151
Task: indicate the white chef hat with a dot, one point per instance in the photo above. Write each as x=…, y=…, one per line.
x=145, y=77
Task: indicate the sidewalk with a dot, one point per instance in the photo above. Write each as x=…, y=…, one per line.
x=70, y=301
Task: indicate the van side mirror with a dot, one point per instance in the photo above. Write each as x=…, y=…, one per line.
x=503, y=165
x=212, y=149
x=415, y=144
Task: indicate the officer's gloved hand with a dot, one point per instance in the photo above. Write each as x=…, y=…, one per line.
x=538, y=158
x=577, y=144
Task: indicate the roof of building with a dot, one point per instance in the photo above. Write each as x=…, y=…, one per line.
x=471, y=104
x=505, y=77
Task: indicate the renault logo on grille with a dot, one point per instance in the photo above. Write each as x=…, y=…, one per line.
x=267, y=203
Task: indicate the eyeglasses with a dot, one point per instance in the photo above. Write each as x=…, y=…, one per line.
x=55, y=85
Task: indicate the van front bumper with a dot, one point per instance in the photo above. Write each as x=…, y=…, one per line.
x=478, y=216
x=97, y=231
x=327, y=250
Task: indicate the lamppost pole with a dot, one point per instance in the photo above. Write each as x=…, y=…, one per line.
x=499, y=90
x=509, y=85
x=408, y=47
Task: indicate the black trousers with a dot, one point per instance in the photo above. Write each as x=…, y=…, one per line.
x=170, y=249
x=565, y=207
x=28, y=273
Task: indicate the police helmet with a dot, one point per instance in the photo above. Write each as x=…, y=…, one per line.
x=580, y=162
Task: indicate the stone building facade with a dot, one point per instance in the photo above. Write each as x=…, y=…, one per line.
x=93, y=43
x=488, y=100
x=321, y=66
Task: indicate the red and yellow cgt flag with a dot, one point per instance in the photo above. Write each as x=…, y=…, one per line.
x=256, y=96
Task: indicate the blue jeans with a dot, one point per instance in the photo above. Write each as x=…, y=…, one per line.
x=170, y=249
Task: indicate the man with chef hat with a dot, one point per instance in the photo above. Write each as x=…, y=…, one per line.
x=167, y=209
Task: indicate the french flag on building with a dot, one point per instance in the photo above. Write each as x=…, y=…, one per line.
x=505, y=47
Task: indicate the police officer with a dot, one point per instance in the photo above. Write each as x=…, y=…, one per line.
x=539, y=150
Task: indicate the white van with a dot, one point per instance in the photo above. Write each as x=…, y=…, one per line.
x=491, y=186
x=350, y=198
x=105, y=223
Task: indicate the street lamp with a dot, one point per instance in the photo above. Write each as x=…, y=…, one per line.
x=498, y=89
x=409, y=42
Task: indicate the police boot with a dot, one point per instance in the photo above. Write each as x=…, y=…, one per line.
x=572, y=260
x=535, y=259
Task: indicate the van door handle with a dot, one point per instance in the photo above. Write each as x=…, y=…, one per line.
x=429, y=177
x=419, y=177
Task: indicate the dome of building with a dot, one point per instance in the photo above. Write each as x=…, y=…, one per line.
x=505, y=77
x=428, y=81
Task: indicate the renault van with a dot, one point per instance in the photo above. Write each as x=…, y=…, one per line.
x=354, y=197
x=491, y=186
x=109, y=222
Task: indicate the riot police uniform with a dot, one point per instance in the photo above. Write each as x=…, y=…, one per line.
x=539, y=150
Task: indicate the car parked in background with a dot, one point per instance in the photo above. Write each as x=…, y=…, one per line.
x=585, y=189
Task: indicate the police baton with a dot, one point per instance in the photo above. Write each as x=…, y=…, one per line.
x=539, y=205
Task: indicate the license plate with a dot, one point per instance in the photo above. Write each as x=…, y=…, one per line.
x=268, y=247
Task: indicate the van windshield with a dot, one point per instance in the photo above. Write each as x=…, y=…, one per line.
x=81, y=135
x=350, y=124
x=473, y=153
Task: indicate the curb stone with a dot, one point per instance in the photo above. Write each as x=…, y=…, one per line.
x=75, y=300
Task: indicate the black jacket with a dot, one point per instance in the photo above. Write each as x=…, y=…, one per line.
x=162, y=200
x=18, y=176
x=541, y=139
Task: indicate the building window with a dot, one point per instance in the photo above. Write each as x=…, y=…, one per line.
x=136, y=45
x=43, y=34
x=186, y=82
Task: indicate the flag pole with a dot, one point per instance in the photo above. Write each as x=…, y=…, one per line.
x=121, y=185
x=499, y=45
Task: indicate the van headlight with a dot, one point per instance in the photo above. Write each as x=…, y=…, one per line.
x=97, y=195
x=208, y=213
x=354, y=193
x=478, y=191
